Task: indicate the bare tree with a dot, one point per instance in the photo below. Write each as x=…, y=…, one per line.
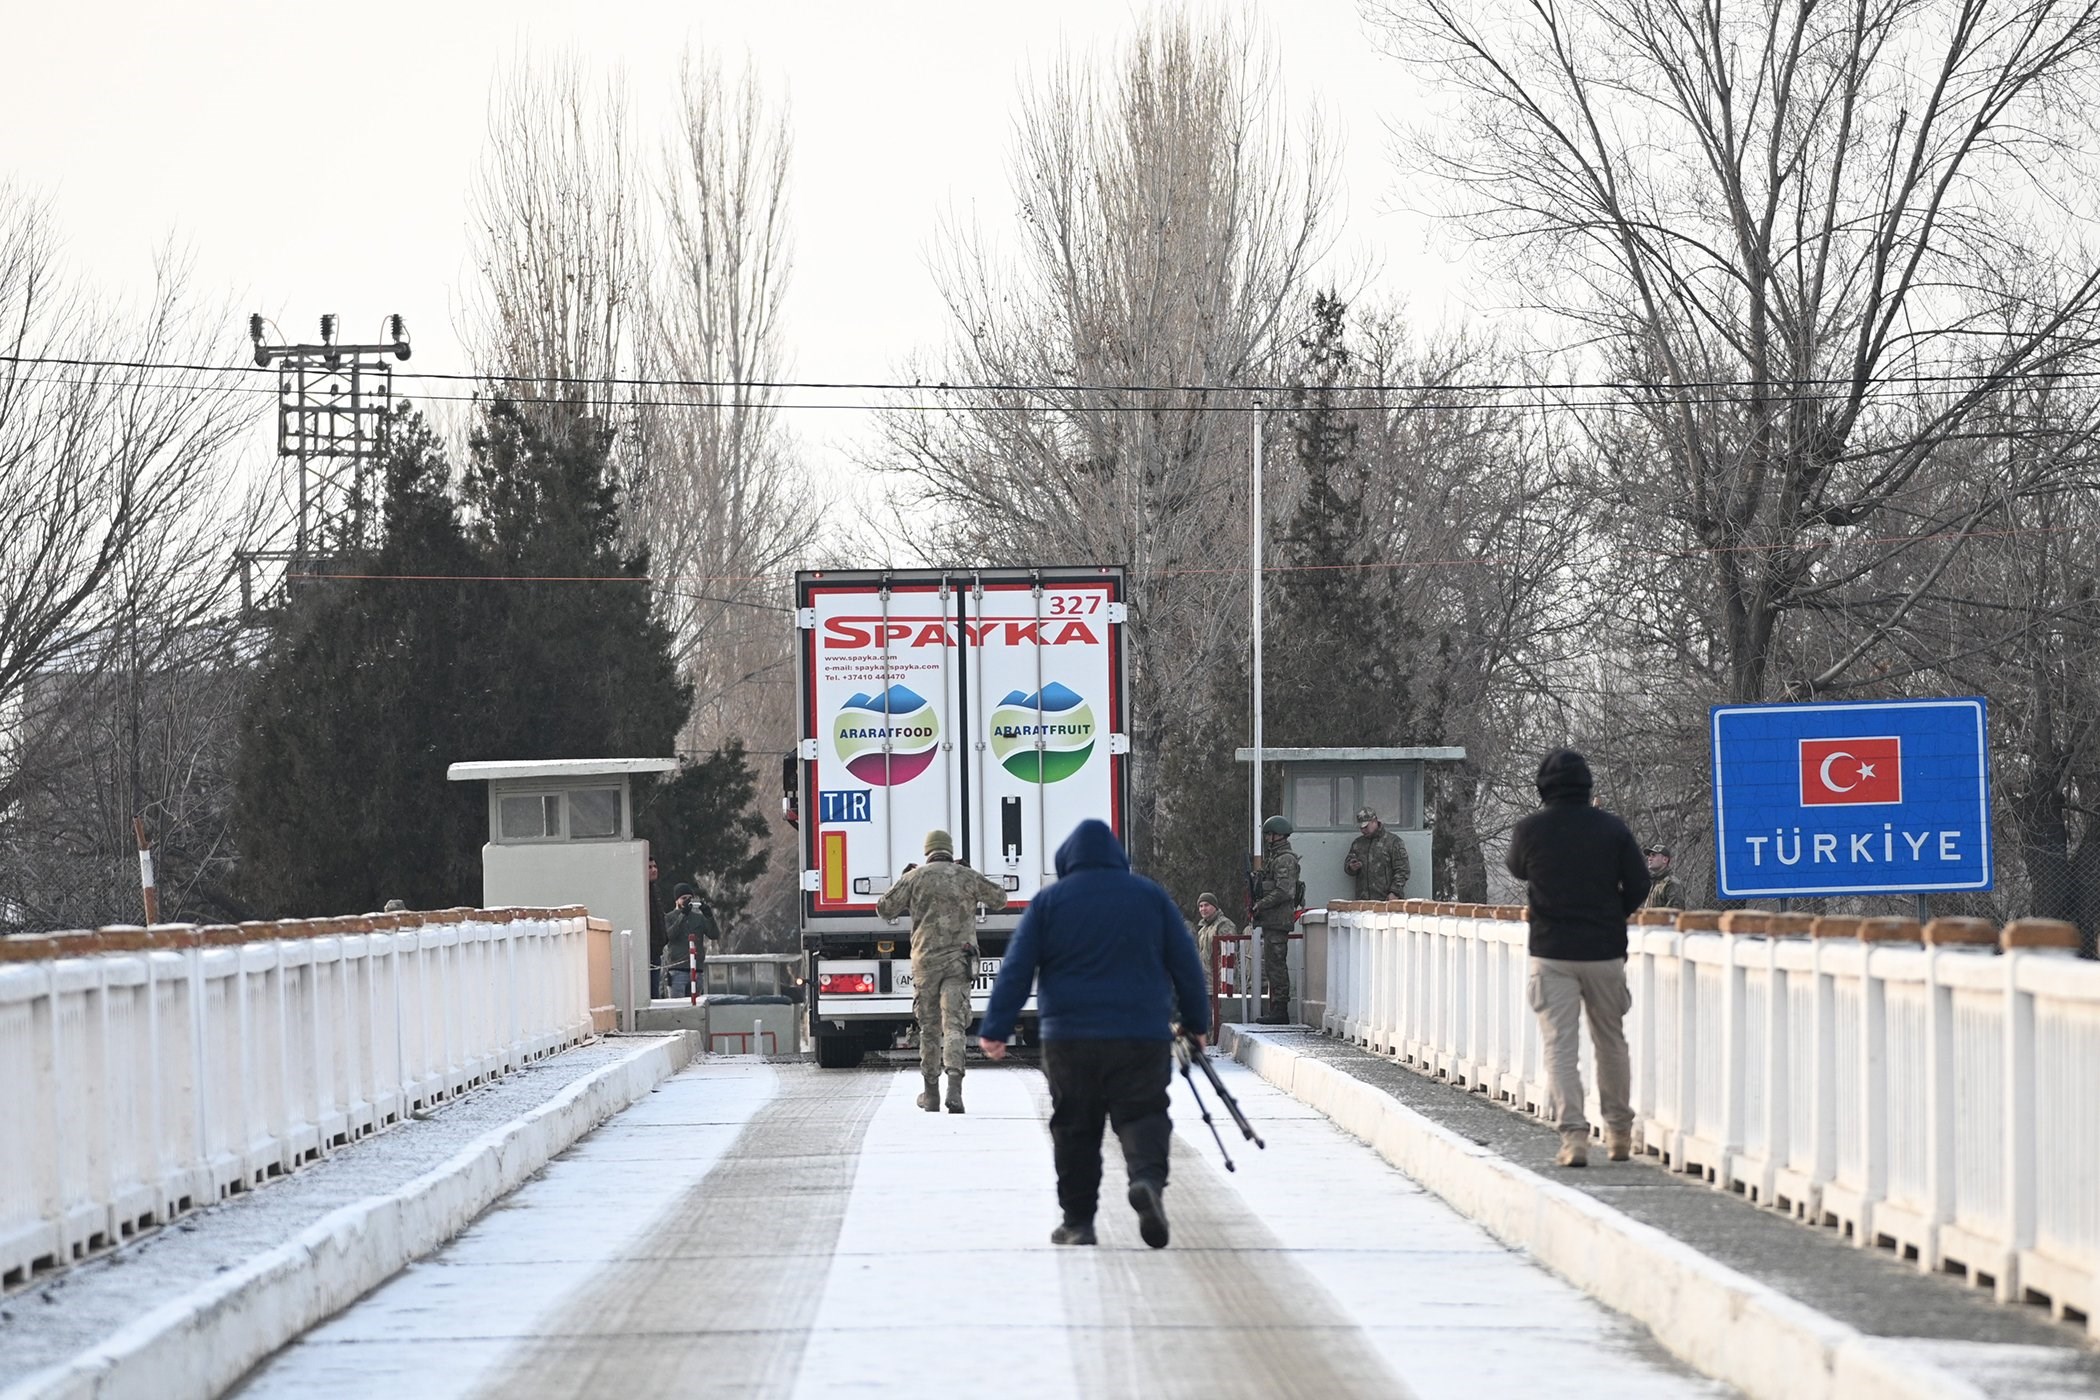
x=721, y=500
x=1814, y=242
x=119, y=514
x=601, y=268
x=149, y=740
x=1169, y=220
x=556, y=234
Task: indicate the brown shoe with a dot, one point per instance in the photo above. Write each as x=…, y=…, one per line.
x=930, y=1099
x=955, y=1091
x=1618, y=1143
x=1574, y=1150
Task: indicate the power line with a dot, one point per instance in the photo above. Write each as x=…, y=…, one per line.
x=1801, y=388
x=1664, y=396
x=1367, y=566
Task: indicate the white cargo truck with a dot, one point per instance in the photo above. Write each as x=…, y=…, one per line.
x=986, y=703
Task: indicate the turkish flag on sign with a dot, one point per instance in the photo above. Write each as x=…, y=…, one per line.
x=1839, y=772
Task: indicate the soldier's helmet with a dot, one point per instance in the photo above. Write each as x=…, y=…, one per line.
x=1276, y=827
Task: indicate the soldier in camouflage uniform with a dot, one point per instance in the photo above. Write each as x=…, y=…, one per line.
x=942, y=896
x=1276, y=911
x=1662, y=885
x=1377, y=858
x=1212, y=925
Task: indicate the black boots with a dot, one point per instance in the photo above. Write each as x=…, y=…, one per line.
x=1070, y=1233
x=1148, y=1201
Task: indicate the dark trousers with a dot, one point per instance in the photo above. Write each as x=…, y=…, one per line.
x=1123, y=1082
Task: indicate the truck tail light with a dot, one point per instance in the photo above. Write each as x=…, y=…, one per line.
x=845, y=983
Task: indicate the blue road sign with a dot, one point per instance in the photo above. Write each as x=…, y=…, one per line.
x=1851, y=797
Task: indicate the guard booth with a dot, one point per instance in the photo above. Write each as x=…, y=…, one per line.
x=561, y=831
x=1322, y=790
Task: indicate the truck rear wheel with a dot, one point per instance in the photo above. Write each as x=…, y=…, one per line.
x=840, y=1051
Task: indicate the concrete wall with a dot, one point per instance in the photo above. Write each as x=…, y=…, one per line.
x=609, y=878
x=1320, y=857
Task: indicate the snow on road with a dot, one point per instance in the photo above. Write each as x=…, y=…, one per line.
x=775, y=1230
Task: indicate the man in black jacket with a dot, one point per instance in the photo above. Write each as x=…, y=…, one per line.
x=1583, y=874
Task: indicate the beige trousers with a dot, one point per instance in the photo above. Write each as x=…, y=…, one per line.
x=1560, y=990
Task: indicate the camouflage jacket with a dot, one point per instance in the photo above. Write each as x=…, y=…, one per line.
x=1379, y=864
x=941, y=897
x=1662, y=893
x=1276, y=896
x=1208, y=932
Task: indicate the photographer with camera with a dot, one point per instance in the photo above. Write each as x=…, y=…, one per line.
x=688, y=925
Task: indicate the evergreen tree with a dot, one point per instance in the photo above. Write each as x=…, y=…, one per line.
x=587, y=663
x=371, y=688
x=366, y=692
x=1334, y=672
x=702, y=829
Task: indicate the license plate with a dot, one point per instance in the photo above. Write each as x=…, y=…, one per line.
x=987, y=972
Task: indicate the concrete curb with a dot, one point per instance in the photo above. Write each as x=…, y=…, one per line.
x=1722, y=1323
x=201, y=1343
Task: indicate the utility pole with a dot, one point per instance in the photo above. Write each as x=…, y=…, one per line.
x=1254, y=592
x=1255, y=973
x=332, y=402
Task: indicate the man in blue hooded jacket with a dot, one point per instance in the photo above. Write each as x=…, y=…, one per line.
x=1114, y=969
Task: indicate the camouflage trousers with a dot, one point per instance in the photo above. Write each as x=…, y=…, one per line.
x=1276, y=968
x=941, y=1002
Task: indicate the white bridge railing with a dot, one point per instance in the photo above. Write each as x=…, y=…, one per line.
x=1916, y=1089
x=147, y=1072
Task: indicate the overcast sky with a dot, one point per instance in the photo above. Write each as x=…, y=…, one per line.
x=316, y=158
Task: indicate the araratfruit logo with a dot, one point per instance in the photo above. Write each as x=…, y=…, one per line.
x=1065, y=724
x=906, y=720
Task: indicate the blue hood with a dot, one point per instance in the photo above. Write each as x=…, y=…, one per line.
x=1091, y=846
x=1106, y=951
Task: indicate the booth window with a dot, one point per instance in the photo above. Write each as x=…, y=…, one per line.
x=1329, y=801
x=594, y=812
x=1312, y=801
x=530, y=817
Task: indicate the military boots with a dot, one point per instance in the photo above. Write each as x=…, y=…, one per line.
x=955, y=1091
x=930, y=1099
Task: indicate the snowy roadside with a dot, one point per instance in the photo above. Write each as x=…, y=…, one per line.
x=70, y=1312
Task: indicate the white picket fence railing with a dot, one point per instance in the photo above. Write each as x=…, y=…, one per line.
x=148, y=1072
x=1916, y=1089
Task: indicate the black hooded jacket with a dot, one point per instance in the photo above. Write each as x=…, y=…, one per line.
x=1582, y=870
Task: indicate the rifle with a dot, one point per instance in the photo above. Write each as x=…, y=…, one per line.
x=1186, y=1050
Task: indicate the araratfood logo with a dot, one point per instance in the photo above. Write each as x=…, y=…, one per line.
x=900, y=715
x=1064, y=723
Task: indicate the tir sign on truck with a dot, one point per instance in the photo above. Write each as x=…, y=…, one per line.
x=1861, y=797
x=984, y=703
